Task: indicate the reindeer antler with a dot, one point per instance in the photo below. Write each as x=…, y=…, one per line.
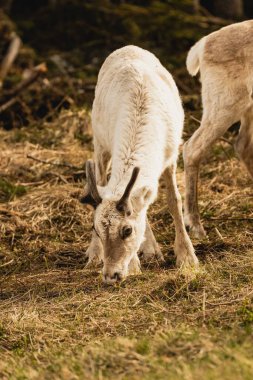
x=122, y=203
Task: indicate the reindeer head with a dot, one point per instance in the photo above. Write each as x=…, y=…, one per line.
x=118, y=223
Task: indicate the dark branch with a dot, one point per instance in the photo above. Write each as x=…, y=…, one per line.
x=66, y=165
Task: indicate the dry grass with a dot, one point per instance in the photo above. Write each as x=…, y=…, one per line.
x=58, y=321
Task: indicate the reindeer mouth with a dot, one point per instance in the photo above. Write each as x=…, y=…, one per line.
x=116, y=277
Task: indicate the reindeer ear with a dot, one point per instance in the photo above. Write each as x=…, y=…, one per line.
x=89, y=200
x=141, y=198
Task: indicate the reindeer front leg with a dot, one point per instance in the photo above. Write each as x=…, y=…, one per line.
x=183, y=246
x=149, y=248
x=94, y=253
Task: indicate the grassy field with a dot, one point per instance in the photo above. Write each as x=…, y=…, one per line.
x=57, y=319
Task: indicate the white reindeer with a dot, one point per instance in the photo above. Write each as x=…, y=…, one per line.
x=137, y=121
x=225, y=61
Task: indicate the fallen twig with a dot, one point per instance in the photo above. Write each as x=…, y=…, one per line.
x=8, y=104
x=58, y=175
x=6, y=264
x=218, y=233
x=230, y=301
x=56, y=108
x=209, y=18
x=60, y=164
x=10, y=56
x=213, y=218
x=32, y=77
x=195, y=119
x=5, y=211
x=12, y=96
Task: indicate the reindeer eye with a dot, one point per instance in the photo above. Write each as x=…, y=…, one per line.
x=126, y=231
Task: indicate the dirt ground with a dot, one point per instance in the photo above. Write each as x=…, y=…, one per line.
x=58, y=321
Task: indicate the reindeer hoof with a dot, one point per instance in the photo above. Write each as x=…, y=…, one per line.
x=198, y=232
x=187, y=261
x=93, y=257
x=134, y=266
x=149, y=252
x=195, y=229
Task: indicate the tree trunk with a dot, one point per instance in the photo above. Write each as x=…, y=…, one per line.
x=6, y=5
x=248, y=8
x=196, y=5
x=229, y=9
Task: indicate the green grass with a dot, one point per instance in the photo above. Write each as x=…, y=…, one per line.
x=8, y=190
x=177, y=353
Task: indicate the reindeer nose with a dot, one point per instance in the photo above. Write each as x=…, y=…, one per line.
x=117, y=276
x=111, y=279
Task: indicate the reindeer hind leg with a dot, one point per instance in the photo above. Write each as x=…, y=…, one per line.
x=244, y=143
